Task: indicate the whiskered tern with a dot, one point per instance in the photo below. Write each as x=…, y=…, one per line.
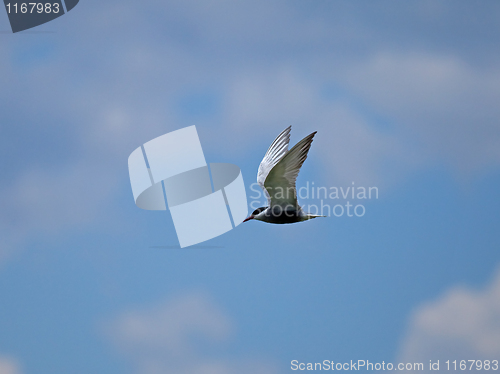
x=277, y=174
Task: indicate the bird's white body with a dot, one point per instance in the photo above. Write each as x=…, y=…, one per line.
x=277, y=174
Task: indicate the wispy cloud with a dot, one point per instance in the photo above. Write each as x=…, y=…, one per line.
x=445, y=104
x=9, y=365
x=115, y=81
x=462, y=324
x=183, y=335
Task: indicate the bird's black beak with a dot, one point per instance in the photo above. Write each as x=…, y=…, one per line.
x=248, y=219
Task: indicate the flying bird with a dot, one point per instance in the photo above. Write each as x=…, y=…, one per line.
x=277, y=174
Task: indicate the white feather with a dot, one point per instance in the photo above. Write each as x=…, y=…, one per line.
x=279, y=169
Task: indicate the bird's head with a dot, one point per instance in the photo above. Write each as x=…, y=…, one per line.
x=255, y=213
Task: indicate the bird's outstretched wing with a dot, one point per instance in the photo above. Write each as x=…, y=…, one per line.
x=274, y=154
x=280, y=180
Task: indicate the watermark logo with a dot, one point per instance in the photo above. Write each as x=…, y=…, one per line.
x=24, y=15
x=204, y=200
x=321, y=200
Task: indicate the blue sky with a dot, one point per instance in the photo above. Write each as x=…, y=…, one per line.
x=404, y=97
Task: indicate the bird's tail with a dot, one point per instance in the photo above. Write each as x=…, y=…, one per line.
x=311, y=216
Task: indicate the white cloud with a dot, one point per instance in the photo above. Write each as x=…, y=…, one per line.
x=439, y=100
x=9, y=366
x=183, y=335
x=49, y=201
x=462, y=324
x=262, y=103
x=114, y=82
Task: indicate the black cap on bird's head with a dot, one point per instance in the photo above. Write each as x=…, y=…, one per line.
x=255, y=212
